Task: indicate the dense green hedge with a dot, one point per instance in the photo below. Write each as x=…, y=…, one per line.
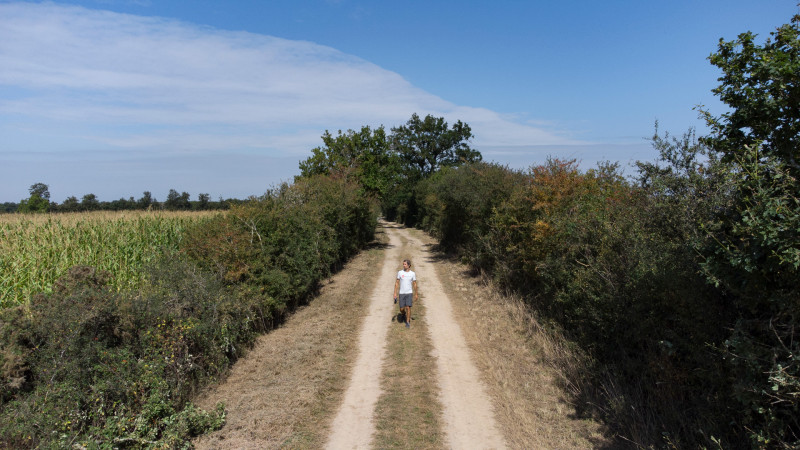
x=618, y=265
x=85, y=366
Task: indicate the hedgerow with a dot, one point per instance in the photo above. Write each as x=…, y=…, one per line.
x=618, y=265
x=92, y=367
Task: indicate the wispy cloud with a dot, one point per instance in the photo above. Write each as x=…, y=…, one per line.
x=119, y=82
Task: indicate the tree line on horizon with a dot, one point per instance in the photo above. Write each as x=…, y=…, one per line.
x=39, y=202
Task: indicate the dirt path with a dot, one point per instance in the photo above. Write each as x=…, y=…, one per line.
x=353, y=426
x=468, y=413
x=468, y=417
x=284, y=391
x=474, y=371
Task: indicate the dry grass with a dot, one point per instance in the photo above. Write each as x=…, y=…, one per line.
x=285, y=392
x=408, y=414
x=527, y=370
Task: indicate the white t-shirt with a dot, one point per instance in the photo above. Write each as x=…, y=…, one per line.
x=405, y=281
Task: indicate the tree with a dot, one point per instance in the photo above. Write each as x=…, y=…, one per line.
x=70, y=204
x=362, y=156
x=428, y=144
x=39, y=200
x=752, y=245
x=121, y=204
x=40, y=190
x=89, y=202
x=145, y=201
x=761, y=85
x=202, y=201
x=177, y=201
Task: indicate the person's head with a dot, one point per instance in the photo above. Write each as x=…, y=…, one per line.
x=406, y=264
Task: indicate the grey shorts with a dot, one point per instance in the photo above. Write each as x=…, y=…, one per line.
x=405, y=300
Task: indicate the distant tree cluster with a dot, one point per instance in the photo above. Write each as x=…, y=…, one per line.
x=390, y=166
x=39, y=201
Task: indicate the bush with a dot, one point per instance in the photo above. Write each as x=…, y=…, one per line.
x=96, y=360
x=91, y=367
x=456, y=204
x=611, y=264
x=280, y=245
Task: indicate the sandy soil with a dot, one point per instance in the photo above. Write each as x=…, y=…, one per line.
x=353, y=425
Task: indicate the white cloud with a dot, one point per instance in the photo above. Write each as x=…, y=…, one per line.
x=125, y=82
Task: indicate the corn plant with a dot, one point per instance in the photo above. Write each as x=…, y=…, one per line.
x=36, y=250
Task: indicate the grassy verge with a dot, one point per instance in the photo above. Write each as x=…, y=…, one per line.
x=287, y=391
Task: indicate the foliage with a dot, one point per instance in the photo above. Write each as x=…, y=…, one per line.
x=457, y=203
x=389, y=168
x=598, y=257
x=751, y=251
x=90, y=202
x=362, y=157
x=425, y=145
x=177, y=201
x=683, y=285
x=281, y=244
x=39, y=201
x=751, y=244
x=761, y=85
x=89, y=366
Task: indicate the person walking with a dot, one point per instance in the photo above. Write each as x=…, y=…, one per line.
x=405, y=290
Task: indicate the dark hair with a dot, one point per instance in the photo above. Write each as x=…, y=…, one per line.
x=407, y=261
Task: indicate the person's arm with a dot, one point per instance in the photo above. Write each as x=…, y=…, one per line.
x=396, y=287
x=414, y=286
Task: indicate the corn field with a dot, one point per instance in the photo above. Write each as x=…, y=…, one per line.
x=35, y=250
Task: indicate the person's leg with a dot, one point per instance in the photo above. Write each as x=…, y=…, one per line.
x=408, y=316
x=404, y=301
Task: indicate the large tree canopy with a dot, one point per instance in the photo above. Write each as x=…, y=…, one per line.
x=390, y=166
x=761, y=85
x=426, y=145
x=39, y=201
x=360, y=155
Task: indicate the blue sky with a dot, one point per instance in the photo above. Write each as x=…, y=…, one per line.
x=117, y=97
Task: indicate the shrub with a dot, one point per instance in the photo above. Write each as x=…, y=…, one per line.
x=457, y=203
x=283, y=243
x=106, y=368
x=611, y=264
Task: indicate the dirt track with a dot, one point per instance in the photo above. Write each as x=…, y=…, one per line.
x=468, y=418
x=321, y=379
